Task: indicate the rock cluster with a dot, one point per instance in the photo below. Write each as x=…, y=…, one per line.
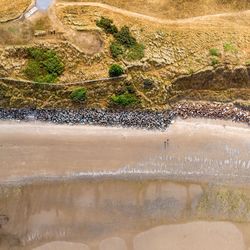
x=213, y=111
x=138, y=119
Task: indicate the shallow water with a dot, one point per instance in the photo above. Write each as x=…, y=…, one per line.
x=88, y=212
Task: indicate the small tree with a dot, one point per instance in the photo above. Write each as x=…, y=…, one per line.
x=115, y=70
x=78, y=95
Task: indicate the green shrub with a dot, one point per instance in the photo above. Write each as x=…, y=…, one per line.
x=125, y=38
x=53, y=64
x=116, y=49
x=229, y=47
x=214, y=61
x=125, y=99
x=107, y=25
x=115, y=70
x=43, y=65
x=32, y=70
x=136, y=52
x=78, y=95
x=214, y=52
x=248, y=63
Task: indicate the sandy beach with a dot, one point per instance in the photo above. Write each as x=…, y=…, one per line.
x=193, y=148
x=168, y=207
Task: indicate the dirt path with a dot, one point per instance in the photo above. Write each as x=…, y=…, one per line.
x=150, y=18
x=89, y=42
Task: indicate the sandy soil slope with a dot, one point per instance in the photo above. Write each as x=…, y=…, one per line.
x=12, y=9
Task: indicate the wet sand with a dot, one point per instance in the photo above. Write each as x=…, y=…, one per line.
x=192, y=149
x=124, y=215
x=191, y=236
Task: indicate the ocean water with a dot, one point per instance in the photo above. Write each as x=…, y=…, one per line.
x=43, y=4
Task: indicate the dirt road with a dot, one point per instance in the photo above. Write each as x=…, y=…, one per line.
x=150, y=18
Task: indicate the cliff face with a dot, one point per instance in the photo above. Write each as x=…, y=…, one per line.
x=220, y=78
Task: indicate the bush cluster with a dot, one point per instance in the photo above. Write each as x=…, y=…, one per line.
x=78, y=95
x=124, y=44
x=43, y=66
x=136, y=52
x=116, y=49
x=125, y=38
x=125, y=99
x=107, y=25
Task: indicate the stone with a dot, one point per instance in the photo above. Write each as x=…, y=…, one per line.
x=40, y=33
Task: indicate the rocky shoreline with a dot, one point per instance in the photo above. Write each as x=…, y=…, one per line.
x=212, y=111
x=138, y=118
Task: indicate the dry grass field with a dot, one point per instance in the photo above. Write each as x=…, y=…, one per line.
x=10, y=9
x=174, y=9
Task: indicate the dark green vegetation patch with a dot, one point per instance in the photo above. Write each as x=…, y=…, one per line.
x=125, y=44
x=125, y=38
x=78, y=95
x=107, y=25
x=116, y=49
x=115, y=70
x=43, y=65
x=124, y=100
